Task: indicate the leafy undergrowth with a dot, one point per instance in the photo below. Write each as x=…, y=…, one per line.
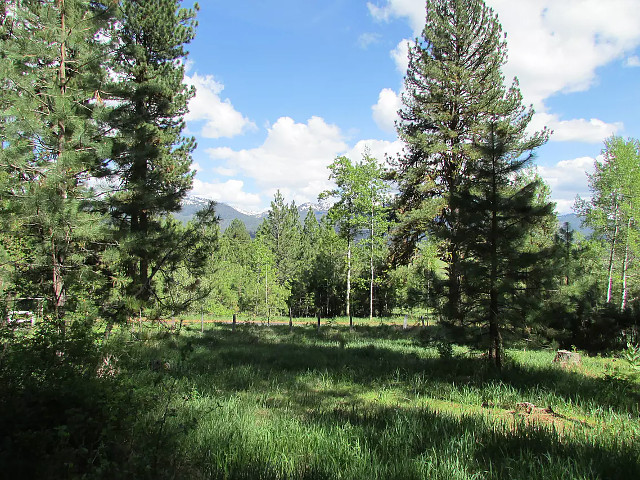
x=376, y=403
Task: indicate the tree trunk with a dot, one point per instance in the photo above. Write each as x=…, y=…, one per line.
x=494, y=327
x=266, y=292
x=453, y=296
x=59, y=293
x=611, y=255
x=625, y=263
x=145, y=292
x=371, y=266
x=348, y=277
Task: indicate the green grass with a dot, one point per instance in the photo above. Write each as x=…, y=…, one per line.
x=192, y=319
x=261, y=402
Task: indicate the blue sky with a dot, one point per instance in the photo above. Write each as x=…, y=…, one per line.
x=284, y=86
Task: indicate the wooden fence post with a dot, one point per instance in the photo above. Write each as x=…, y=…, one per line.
x=233, y=325
x=318, y=314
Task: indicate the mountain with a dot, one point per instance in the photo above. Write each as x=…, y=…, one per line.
x=191, y=204
x=575, y=223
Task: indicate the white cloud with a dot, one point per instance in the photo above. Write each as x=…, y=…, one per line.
x=221, y=118
x=567, y=179
x=378, y=149
x=293, y=158
x=367, y=39
x=195, y=167
x=554, y=47
x=632, y=61
x=225, y=172
x=414, y=10
x=579, y=130
x=385, y=112
x=230, y=192
x=400, y=55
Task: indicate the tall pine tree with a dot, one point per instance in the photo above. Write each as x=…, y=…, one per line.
x=453, y=86
x=151, y=158
x=52, y=135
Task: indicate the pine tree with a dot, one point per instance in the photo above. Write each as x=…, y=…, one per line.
x=500, y=214
x=302, y=288
x=151, y=158
x=453, y=83
x=280, y=231
x=52, y=134
x=187, y=258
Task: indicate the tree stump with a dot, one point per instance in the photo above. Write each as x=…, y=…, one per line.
x=565, y=357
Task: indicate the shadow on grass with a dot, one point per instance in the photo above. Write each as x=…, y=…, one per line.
x=263, y=403
x=255, y=357
x=321, y=379
x=520, y=451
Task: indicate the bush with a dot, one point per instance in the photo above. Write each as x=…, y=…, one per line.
x=445, y=349
x=59, y=416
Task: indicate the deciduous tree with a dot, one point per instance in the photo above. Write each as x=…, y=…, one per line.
x=613, y=209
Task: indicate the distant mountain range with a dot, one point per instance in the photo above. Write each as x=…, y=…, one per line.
x=252, y=221
x=191, y=204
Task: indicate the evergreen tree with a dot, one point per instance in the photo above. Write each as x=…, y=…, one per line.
x=52, y=131
x=453, y=83
x=280, y=231
x=498, y=217
x=187, y=258
x=229, y=274
x=151, y=158
x=302, y=288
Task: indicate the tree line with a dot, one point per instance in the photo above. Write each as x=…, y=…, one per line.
x=458, y=226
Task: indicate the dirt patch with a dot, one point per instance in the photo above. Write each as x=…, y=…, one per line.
x=533, y=414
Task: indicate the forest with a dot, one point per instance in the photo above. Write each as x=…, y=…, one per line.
x=408, y=333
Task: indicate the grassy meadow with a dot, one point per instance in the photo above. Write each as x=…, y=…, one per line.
x=379, y=402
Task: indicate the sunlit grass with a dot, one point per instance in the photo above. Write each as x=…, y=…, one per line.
x=261, y=402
